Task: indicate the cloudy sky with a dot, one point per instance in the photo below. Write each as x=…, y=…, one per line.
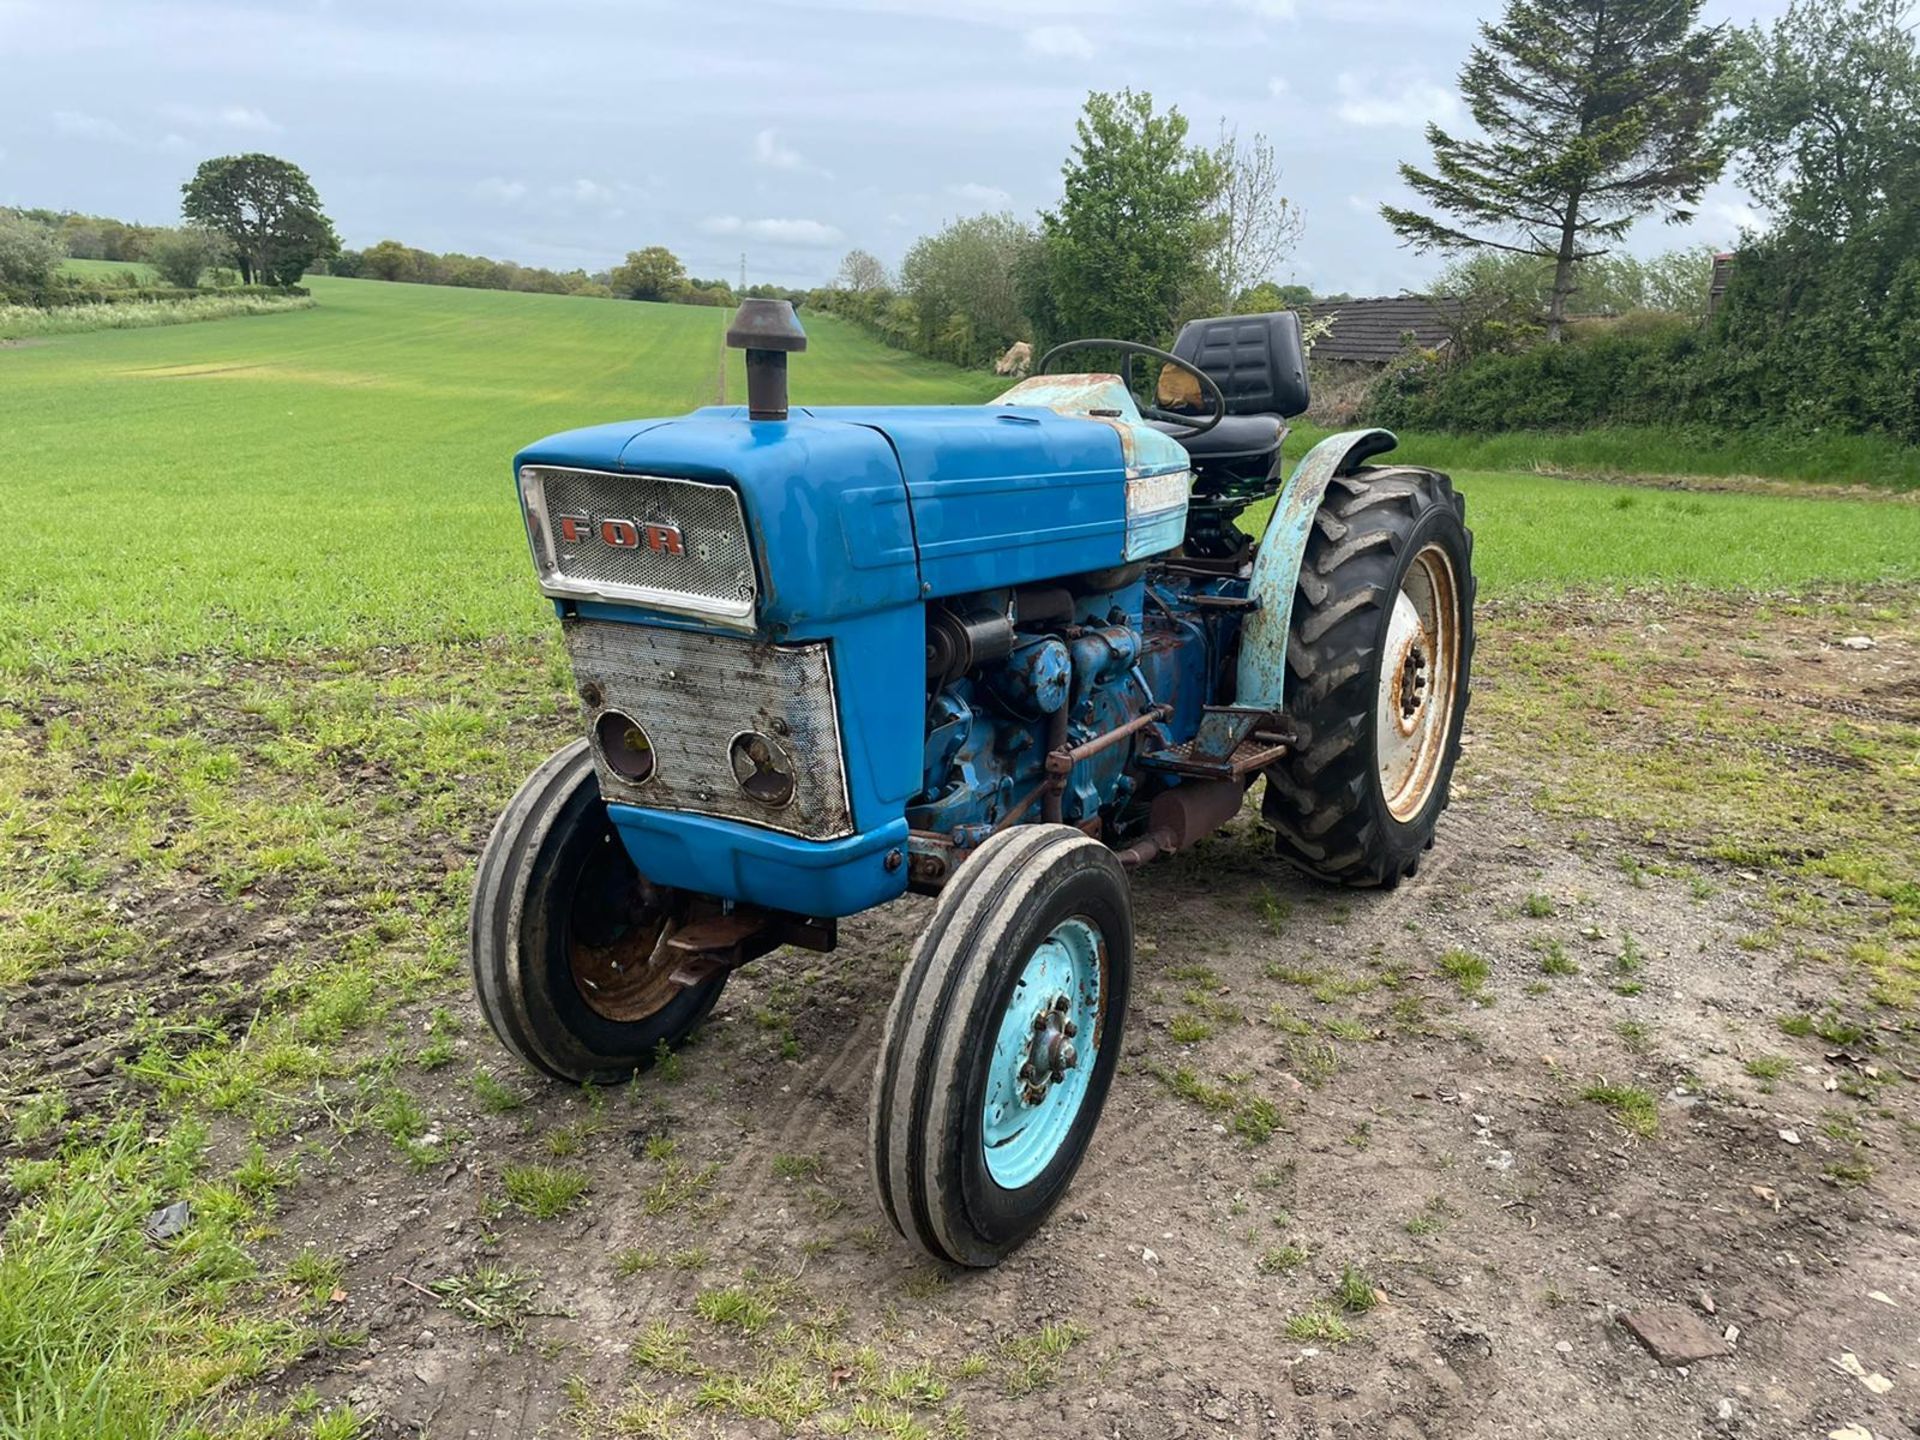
x=567, y=132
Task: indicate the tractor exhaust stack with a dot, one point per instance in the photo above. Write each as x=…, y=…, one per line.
x=767, y=330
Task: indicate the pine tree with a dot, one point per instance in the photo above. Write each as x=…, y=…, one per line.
x=1594, y=113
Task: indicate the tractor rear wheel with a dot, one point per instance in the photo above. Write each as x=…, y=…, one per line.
x=563, y=933
x=1001, y=1043
x=1378, y=663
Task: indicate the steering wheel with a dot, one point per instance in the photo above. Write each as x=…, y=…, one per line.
x=1208, y=387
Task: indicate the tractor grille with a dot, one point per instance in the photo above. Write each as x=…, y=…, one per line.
x=677, y=545
x=693, y=693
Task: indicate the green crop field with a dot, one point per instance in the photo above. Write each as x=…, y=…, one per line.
x=272, y=659
x=338, y=476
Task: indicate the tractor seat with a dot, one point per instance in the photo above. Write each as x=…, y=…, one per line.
x=1236, y=437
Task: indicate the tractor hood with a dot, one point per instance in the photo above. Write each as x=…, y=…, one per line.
x=856, y=509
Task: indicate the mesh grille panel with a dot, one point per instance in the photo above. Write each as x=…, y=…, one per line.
x=680, y=544
x=693, y=693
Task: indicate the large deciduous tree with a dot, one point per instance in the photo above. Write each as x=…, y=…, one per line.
x=1592, y=113
x=863, y=273
x=966, y=304
x=267, y=209
x=1826, y=111
x=654, y=273
x=1134, y=228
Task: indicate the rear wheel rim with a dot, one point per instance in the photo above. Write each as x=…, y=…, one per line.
x=1044, y=1053
x=1419, y=678
x=615, y=921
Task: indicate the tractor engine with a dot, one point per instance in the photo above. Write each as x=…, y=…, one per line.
x=1015, y=674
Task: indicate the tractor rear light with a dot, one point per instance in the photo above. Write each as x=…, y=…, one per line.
x=625, y=747
x=763, y=767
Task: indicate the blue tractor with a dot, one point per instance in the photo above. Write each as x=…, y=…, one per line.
x=999, y=654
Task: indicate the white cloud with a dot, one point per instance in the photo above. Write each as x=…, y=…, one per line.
x=975, y=193
x=1364, y=204
x=587, y=192
x=501, y=192
x=802, y=234
x=1060, y=42
x=242, y=118
x=1267, y=9
x=1407, y=101
x=1277, y=86
x=769, y=150
x=88, y=127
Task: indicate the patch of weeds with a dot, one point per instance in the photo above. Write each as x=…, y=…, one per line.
x=544, y=1191
x=345, y=1423
x=925, y=1282
x=1633, y=1107
x=315, y=1275
x=1768, y=1068
x=1314, y=1065
x=488, y=1295
x=1285, y=1021
x=1355, y=1290
x=797, y=1167
x=666, y=1350
x=1275, y=912
x=680, y=1184
x=39, y=1116
x=1555, y=960
x=1256, y=1120
x=635, y=1262
x=1835, y=1030
x=494, y=1095
x=1283, y=1260
x=1537, y=907
x=1631, y=956
x=643, y=1415
x=1342, y=1029
x=694, y=1257
x=1293, y=975
x=666, y=1064
x=1847, y=1174
x=1467, y=970
x=1432, y=1218
x=1637, y=1035
x=1319, y=1325
x=782, y=1391
x=1186, y=1084
x=1361, y=1137
x=435, y=1054
x=569, y=1140
x=1195, y=975
x=1033, y=1361
x=1189, y=1030
x=736, y=1307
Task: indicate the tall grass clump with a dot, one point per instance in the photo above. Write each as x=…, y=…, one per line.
x=19, y=322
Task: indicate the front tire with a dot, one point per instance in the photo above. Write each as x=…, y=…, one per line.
x=563, y=931
x=1001, y=1043
x=1379, y=659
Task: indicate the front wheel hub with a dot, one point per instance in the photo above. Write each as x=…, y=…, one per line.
x=1043, y=1054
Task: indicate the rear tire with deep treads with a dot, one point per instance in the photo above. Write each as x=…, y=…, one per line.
x=555, y=896
x=954, y=1156
x=1351, y=804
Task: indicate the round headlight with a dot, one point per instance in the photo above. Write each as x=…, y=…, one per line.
x=763, y=768
x=624, y=745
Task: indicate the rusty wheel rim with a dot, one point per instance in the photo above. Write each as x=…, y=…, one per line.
x=617, y=921
x=1419, y=676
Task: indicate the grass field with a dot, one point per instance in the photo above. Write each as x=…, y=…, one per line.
x=271, y=658
x=339, y=476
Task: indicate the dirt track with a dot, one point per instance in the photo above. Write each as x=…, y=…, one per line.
x=1431, y=1133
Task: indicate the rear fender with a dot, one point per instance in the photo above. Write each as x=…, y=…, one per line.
x=1262, y=676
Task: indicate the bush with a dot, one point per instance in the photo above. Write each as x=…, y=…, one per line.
x=181, y=256
x=29, y=259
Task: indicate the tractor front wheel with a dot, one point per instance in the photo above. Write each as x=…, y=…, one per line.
x=1378, y=661
x=1001, y=1043
x=564, y=934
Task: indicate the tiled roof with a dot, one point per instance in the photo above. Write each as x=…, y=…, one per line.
x=1377, y=330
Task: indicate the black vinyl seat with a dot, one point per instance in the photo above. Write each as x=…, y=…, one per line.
x=1236, y=437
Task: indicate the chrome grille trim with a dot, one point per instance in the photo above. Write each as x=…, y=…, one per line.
x=714, y=577
x=693, y=693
